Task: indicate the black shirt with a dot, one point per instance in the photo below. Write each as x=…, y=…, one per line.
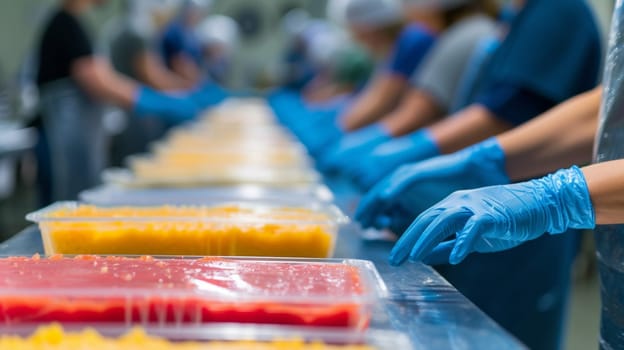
x=63, y=41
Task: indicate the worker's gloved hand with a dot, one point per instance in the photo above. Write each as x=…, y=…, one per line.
x=353, y=147
x=171, y=108
x=320, y=133
x=497, y=218
x=208, y=94
x=401, y=197
x=389, y=156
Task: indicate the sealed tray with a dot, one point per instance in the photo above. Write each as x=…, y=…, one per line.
x=235, y=228
x=158, y=177
x=110, y=195
x=191, y=136
x=222, y=157
x=175, y=292
x=219, y=337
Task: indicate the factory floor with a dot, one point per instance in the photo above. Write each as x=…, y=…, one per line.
x=584, y=317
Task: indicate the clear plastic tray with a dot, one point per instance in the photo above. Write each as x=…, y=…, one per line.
x=176, y=292
x=275, y=178
x=374, y=338
x=110, y=195
x=229, y=228
x=278, y=157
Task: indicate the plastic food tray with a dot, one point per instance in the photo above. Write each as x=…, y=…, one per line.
x=192, y=137
x=176, y=292
x=277, y=178
x=285, y=157
x=226, y=335
x=233, y=229
x=111, y=195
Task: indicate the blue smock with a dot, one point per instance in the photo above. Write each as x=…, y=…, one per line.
x=409, y=50
x=178, y=39
x=551, y=53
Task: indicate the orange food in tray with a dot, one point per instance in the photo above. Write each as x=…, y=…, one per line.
x=252, y=230
x=53, y=337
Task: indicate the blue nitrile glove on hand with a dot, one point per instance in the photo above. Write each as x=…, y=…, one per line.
x=171, y=108
x=399, y=198
x=208, y=94
x=497, y=218
x=389, y=156
x=353, y=147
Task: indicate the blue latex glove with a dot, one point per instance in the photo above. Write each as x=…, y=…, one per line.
x=388, y=157
x=399, y=198
x=321, y=133
x=171, y=108
x=208, y=94
x=353, y=147
x=498, y=218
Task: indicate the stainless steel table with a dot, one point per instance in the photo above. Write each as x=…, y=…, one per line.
x=421, y=304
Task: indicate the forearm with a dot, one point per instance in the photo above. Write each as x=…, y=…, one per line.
x=186, y=68
x=99, y=79
x=559, y=138
x=606, y=188
x=416, y=110
x=154, y=74
x=377, y=99
x=465, y=128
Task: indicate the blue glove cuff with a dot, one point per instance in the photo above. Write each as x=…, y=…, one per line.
x=142, y=100
x=425, y=141
x=572, y=206
x=490, y=156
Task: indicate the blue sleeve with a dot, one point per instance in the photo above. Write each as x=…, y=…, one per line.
x=409, y=50
x=513, y=103
x=172, y=43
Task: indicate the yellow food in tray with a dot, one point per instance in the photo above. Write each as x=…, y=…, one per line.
x=153, y=171
x=68, y=228
x=55, y=338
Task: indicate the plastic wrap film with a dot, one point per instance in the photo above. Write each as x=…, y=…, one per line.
x=610, y=146
x=189, y=292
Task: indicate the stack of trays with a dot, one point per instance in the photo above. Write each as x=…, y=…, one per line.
x=220, y=238
x=237, y=143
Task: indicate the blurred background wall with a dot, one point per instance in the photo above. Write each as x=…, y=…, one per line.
x=260, y=19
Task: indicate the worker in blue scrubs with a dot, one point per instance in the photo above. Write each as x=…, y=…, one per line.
x=510, y=96
x=399, y=49
x=540, y=63
x=180, y=46
x=463, y=27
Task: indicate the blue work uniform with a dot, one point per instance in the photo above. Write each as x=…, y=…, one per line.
x=178, y=39
x=409, y=50
x=551, y=53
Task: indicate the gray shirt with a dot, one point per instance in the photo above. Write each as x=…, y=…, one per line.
x=125, y=47
x=442, y=69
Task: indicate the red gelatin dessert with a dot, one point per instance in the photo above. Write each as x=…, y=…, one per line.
x=334, y=293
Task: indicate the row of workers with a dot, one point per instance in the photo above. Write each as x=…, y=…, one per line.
x=160, y=62
x=452, y=74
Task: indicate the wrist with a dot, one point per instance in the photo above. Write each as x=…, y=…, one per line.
x=490, y=158
x=569, y=203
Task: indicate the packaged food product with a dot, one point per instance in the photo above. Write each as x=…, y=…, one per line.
x=174, y=292
x=113, y=195
x=54, y=337
x=241, y=229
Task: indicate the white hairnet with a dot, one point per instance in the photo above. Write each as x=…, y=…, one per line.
x=443, y=4
x=295, y=22
x=336, y=11
x=324, y=41
x=373, y=13
x=141, y=13
x=220, y=30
